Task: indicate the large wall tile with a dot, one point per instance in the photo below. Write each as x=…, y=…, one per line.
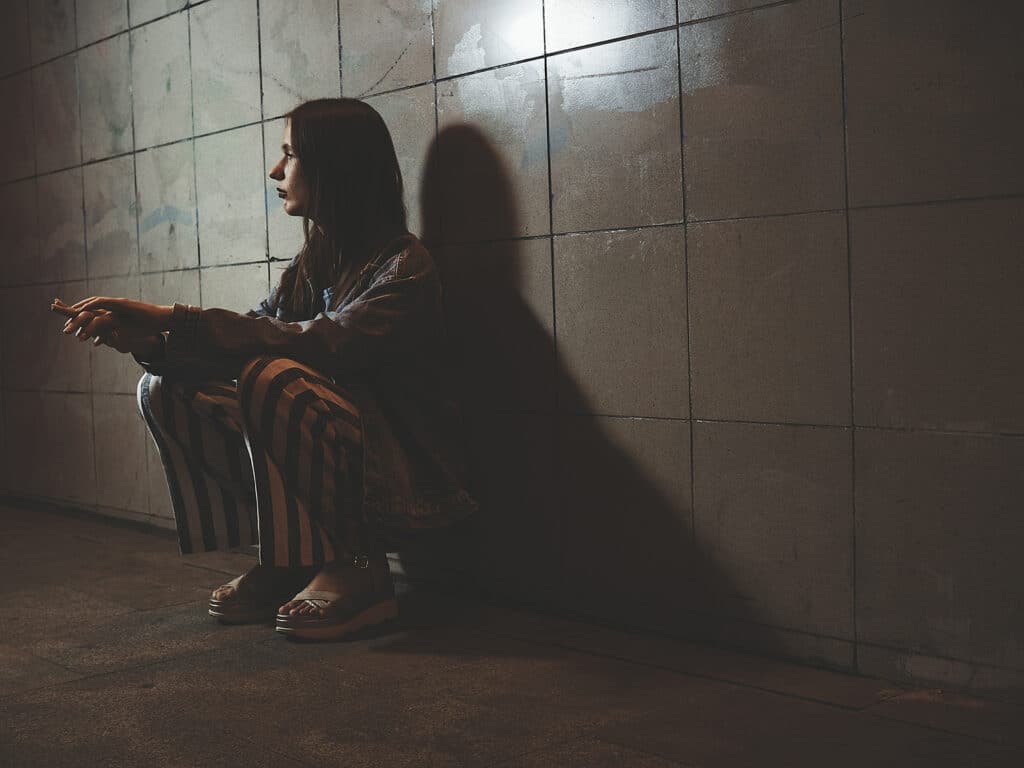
x=936, y=316
x=689, y=10
x=773, y=511
x=475, y=34
x=121, y=435
x=500, y=323
x=106, y=98
x=14, y=37
x=161, y=81
x=168, y=287
x=762, y=112
x=70, y=474
x=225, y=64
x=620, y=317
x=52, y=23
x=22, y=414
x=625, y=487
x=769, y=319
x=61, y=221
x=936, y=107
x=577, y=22
x=97, y=19
x=229, y=187
x=384, y=45
x=113, y=371
x=520, y=532
x=238, y=288
x=43, y=465
x=147, y=10
x=615, y=135
x=16, y=129
x=36, y=354
x=492, y=137
x=167, y=208
x=409, y=116
x=56, y=126
x=19, y=236
x=110, y=227
x=299, y=52
x=938, y=544
x=284, y=232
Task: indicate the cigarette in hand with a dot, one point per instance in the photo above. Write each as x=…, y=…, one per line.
x=59, y=306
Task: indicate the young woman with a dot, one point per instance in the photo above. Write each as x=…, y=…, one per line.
x=319, y=424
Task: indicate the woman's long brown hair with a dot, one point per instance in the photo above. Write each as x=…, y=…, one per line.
x=356, y=197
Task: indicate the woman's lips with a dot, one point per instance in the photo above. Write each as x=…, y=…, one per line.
x=281, y=194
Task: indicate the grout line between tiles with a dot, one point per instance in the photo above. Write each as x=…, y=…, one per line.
x=850, y=339
x=686, y=286
x=263, y=138
x=85, y=246
x=341, y=65
x=195, y=169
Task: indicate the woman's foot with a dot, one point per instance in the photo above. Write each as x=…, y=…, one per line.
x=341, y=600
x=252, y=597
x=344, y=579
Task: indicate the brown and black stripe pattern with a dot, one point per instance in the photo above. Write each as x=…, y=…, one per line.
x=274, y=459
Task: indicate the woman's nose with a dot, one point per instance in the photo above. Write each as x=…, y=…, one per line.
x=275, y=172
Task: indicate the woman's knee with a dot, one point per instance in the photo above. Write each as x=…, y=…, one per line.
x=150, y=399
x=264, y=379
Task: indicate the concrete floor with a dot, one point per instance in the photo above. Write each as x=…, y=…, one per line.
x=108, y=658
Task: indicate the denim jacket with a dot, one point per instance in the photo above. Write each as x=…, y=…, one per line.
x=385, y=345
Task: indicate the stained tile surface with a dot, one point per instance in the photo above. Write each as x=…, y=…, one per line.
x=56, y=126
x=491, y=139
x=935, y=326
x=569, y=23
x=769, y=320
x=384, y=45
x=229, y=189
x=298, y=52
x=947, y=565
x=106, y=98
x=61, y=227
x=475, y=34
x=111, y=238
x=96, y=19
x=16, y=129
x=224, y=45
x=614, y=136
x=763, y=130
x=935, y=101
x=165, y=177
x=161, y=81
x=609, y=338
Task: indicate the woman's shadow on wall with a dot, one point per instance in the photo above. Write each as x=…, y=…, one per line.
x=572, y=520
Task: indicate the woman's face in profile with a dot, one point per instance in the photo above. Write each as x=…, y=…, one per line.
x=291, y=184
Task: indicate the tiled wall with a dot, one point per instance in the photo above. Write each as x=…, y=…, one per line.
x=735, y=286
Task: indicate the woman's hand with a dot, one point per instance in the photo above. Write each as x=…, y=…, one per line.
x=117, y=334
x=138, y=315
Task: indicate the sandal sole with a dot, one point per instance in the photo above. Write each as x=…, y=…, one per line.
x=375, y=614
x=240, y=617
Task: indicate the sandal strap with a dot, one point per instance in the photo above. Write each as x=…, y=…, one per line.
x=234, y=582
x=317, y=594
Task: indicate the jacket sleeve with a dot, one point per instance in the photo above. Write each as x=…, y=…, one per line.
x=364, y=334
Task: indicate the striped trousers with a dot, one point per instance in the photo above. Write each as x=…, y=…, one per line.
x=274, y=459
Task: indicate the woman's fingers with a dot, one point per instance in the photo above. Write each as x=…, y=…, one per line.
x=89, y=324
x=75, y=323
x=101, y=302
